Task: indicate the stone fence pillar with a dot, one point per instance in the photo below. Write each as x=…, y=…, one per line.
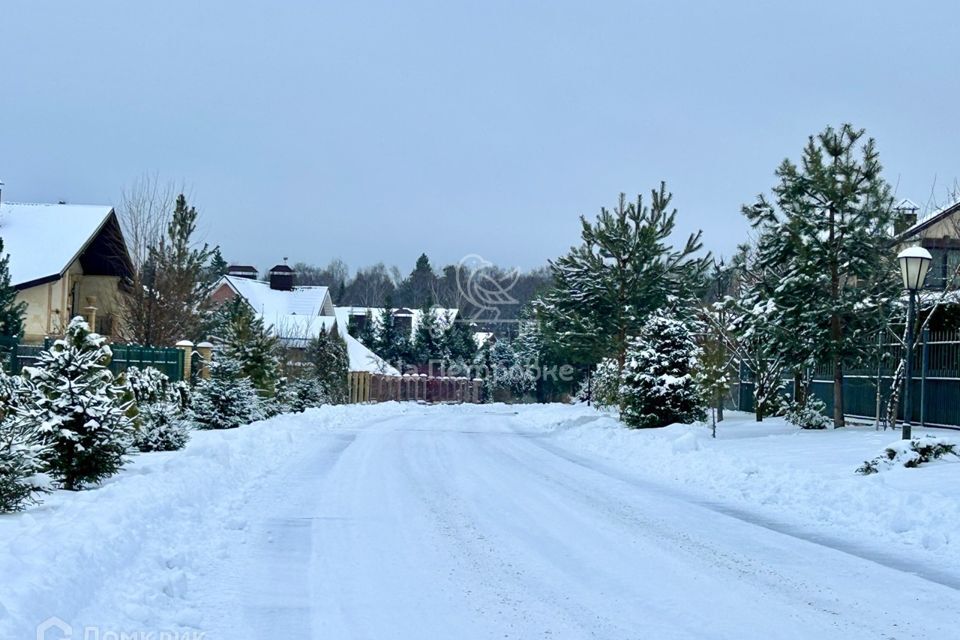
x=205, y=349
x=187, y=348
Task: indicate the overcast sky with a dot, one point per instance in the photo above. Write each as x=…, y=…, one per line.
x=375, y=131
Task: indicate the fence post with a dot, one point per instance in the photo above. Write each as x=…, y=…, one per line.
x=186, y=348
x=205, y=349
x=923, y=377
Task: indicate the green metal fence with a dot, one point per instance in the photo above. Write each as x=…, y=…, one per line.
x=15, y=356
x=935, y=387
x=169, y=361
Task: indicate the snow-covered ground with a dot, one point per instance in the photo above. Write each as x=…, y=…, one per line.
x=494, y=521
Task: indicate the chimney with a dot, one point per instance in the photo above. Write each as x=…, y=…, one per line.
x=281, y=277
x=242, y=271
x=904, y=216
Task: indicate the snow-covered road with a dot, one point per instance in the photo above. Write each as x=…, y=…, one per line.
x=468, y=522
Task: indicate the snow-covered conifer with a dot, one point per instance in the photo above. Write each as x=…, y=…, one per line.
x=245, y=340
x=624, y=270
x=80, y=410
x=228, y=399
x=21, y=448
x=605, y=384
x=162, y=424
x=658, y=386
x=327, y=354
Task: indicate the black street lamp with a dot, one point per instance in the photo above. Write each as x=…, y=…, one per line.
x=914, y=263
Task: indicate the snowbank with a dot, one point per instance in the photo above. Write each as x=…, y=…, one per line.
x=789, y=475
x=56, y=557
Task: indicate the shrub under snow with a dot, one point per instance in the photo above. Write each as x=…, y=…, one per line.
x=811, y=415
x=658, y=386
x=304, y=393
x=910, y=453
x=605, y=385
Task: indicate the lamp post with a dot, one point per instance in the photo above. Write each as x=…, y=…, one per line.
x=914, y=263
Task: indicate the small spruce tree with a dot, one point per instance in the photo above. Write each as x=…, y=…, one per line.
x=81, y=411
x=246, y=341
x=658, y=385
x=327, y=354
x=161, y=422
x=228, y=399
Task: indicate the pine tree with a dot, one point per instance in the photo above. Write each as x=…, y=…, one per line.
x=458, y=346
x=417, y=290
x=428, y=338
x=658, y=384
x=391, y=345
x=327, y=353
x=11, y=311
x=81, y=410
x=218, y=266
x=367, y=335
x=245, y=340
x=747, y=322
x=829, y=234
x=170, y=297
x=623, y=271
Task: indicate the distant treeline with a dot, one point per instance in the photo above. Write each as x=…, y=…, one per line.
x=379, y=285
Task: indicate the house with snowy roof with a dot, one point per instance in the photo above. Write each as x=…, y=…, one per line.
x=938, y=233
x=65, y=260
x=408, y=320
x=295, y=314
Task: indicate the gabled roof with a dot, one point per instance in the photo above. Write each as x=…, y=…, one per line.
x=43, y=240
x=929, y=221
x=276, y=306
x=299, y=315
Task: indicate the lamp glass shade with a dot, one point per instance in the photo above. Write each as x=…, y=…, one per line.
x=914, y=263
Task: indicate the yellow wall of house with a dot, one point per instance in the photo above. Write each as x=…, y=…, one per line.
x=50, y=306
x=949, y=227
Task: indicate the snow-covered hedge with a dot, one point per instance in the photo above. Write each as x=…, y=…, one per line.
x=910, y=453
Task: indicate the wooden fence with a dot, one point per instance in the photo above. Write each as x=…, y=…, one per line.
x=373, y=387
